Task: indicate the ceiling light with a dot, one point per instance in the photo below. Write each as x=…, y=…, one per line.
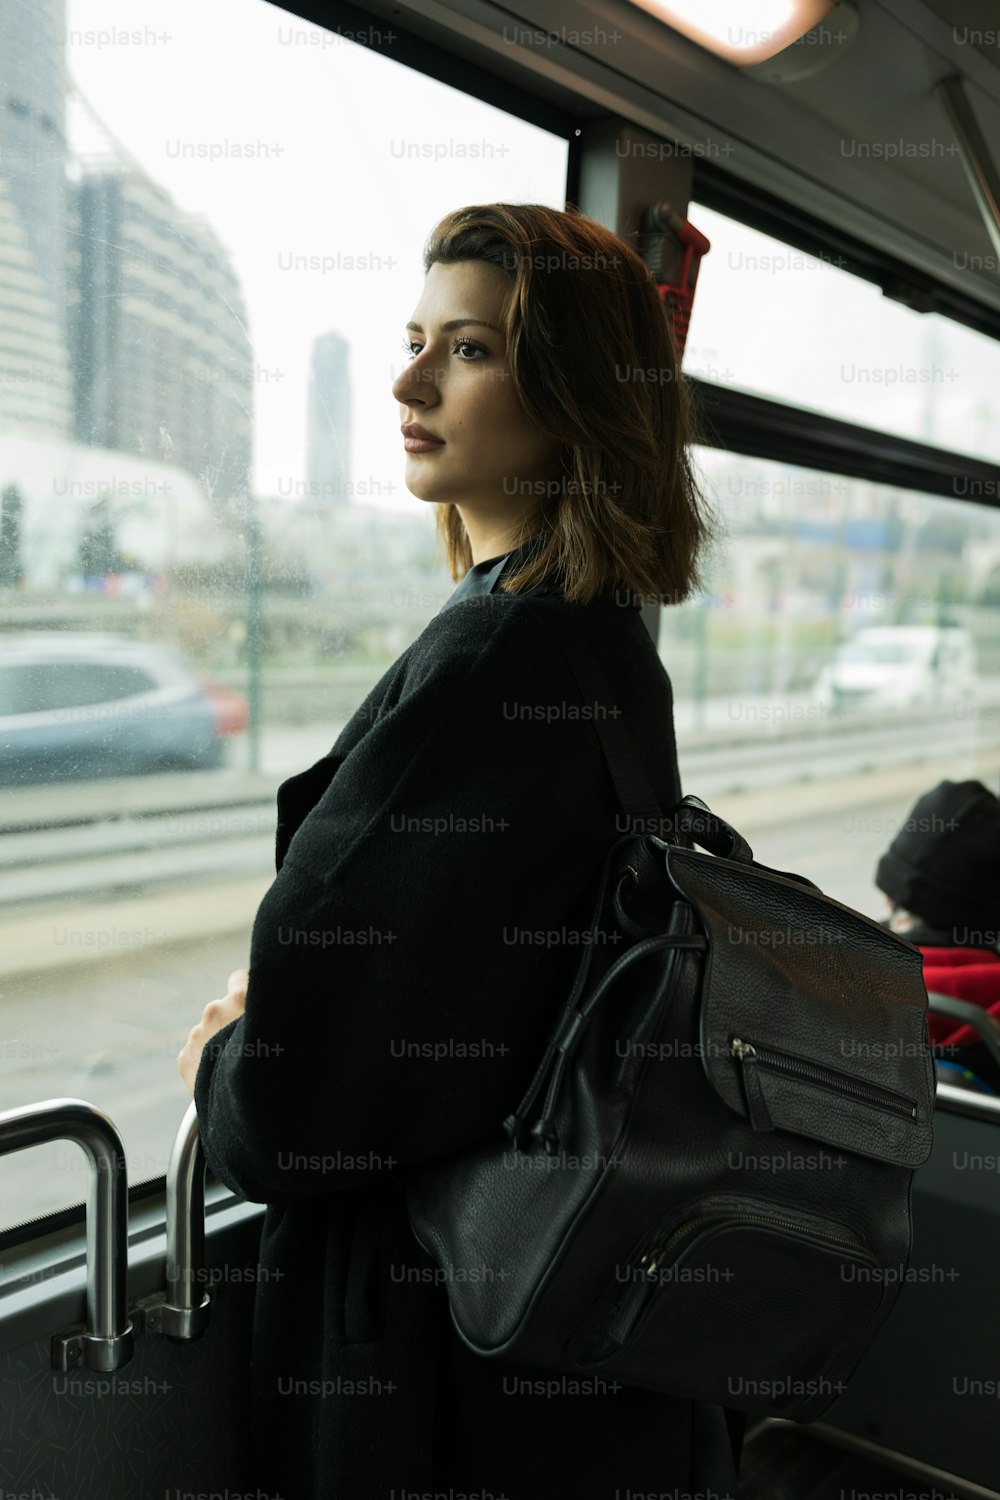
x=742, y=31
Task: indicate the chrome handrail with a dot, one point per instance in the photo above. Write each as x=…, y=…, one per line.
x=106, y=1343
x=183, y=1315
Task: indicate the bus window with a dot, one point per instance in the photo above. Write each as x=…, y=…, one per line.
x=207, y=552
x=769, y=319
x=809, y=712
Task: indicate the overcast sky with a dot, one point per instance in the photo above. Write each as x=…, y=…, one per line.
x=334, y=126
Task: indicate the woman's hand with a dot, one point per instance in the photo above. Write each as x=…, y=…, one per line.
x=217, y=1013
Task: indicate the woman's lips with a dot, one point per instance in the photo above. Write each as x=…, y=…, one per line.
x=420, y=445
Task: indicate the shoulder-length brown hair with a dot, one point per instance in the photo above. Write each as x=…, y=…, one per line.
x=593, y=363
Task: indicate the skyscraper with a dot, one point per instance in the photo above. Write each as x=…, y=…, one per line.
x=122, y=322
x=329, y=419
x=161, y=357
x=35, y=384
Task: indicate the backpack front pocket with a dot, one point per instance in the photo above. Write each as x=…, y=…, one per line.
x=750, y=1057
x=727, y=1279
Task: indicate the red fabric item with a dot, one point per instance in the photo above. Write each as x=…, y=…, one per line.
x=966, y=974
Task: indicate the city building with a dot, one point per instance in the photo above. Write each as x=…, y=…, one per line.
x=161, y=357
x=36, y=391
x=122, y=323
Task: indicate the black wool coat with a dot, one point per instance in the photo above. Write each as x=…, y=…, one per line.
x=392, y=1018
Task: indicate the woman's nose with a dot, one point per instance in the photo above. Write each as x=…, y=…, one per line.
x=403, y=383
x=415, y=382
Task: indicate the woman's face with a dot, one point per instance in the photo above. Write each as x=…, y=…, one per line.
x=490, y=460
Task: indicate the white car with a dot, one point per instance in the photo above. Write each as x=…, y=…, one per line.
x=900, y=666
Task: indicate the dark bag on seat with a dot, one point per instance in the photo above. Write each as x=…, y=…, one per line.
x=706, y=1188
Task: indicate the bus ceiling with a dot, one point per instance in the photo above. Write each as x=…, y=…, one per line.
x=879, y=123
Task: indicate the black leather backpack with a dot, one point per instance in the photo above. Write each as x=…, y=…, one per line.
x=706, y=1188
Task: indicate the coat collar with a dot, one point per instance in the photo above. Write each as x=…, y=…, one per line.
x=484, y=577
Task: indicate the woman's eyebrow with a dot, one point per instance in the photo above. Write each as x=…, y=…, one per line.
x=457, y=323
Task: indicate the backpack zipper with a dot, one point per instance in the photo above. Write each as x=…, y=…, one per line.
x=750, y=1057
x=620, y=1325
x=725, y=1216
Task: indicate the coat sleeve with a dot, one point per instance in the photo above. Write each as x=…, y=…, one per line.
x=408, y=961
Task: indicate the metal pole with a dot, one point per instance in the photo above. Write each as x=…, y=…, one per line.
x=185, y=1312
x=980, y=168
x=254, y=631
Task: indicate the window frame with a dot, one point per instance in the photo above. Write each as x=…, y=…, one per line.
x=760, y=427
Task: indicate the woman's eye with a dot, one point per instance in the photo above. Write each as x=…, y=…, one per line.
x=413, y=349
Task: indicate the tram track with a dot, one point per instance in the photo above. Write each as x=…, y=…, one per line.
x=117, y=839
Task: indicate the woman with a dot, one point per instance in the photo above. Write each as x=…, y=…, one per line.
x=398, y=998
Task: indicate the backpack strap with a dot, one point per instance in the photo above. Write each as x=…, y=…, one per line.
x=690, y=817
x=697, y=820
x=631, y=783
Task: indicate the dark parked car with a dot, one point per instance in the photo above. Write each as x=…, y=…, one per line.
x=74, y=706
